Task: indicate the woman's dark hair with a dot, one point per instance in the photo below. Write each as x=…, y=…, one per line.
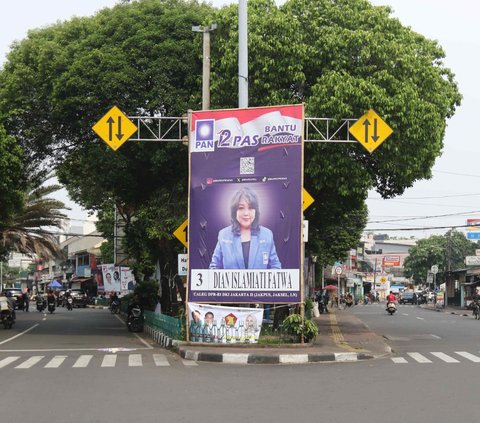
x=251, y=198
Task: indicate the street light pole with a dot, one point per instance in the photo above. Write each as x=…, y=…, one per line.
x=206, y=63
x=242, y=54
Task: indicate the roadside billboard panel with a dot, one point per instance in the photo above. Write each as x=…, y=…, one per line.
x=245, y=205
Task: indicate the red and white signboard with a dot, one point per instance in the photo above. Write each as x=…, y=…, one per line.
x=391, y=261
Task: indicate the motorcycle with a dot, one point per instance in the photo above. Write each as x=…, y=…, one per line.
x=7, y=313
x=115, y=307
x=135, y=320
x=51, y=307
x=40, y=304
x=391, y=308
x=69, y=303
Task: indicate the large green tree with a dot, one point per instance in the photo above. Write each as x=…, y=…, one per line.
x=12, y=176
x=338, y=57
x=445, y=251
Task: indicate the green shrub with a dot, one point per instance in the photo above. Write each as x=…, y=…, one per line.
x=308, y=308
x=295, y=325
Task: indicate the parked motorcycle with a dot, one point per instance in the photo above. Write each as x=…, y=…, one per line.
x=391, y=308
x=51, y=307
x=135, y=320
x=321, y=307
x=41, y=304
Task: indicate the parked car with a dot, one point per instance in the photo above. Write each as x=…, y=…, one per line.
x=79, y=297
x=17, y=294
x=407, y=298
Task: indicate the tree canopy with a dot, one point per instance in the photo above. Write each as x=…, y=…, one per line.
x=445, y=251
x=340, y=58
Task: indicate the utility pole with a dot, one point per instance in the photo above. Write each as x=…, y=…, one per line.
x=242, y=54
x=206, y=63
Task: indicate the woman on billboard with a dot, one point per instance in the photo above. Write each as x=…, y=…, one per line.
x=245, y=244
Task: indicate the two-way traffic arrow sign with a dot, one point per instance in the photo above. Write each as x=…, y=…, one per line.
x=370, y=130
x=115, y=128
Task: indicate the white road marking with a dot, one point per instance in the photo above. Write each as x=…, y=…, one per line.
x=30, y=362
x=189, y=363
x=7, y=361
x=420, y=318
x=399, y=360
x=67, y=349
x=83, y=361
x=135, y=360
x=468, y=356
x=419, y=357
x=55, y=362
x=19, y=334
x=435, y=336
x=160, y=360
x=445, y=357
x=109, y=360
x=143, y=341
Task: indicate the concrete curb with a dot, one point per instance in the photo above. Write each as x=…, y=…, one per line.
x=255, y=358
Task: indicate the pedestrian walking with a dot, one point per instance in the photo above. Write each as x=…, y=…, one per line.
x=26, y=299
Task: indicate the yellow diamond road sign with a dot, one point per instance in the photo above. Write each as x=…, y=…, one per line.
x=307, y=199
x=370, y=130
x=115, y=128
x=181, y=233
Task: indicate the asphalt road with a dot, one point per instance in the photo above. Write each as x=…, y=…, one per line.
x=65, y=386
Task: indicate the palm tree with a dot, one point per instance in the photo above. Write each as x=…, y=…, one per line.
x=27, y=230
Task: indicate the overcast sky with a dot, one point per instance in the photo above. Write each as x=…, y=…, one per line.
x=452, y=195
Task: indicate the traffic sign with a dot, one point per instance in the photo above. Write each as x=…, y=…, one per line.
x=307, y=199
x=338, y=270
x=114, y=128
x=181, y=233
x=434, y=269
x=370, y=130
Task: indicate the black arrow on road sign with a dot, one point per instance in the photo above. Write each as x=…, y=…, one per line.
x=375, y=137
x=110, y=122
x=119, y=133
x=367, y=124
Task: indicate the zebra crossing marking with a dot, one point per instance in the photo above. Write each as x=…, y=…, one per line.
x=85, y=360
x=135, y=360
x=30, y=362
x=7, y=361
x=419, y=357
x=445, y=357
x=82, y=361
x=468, y=356
x=160, y=360
x=55, y=362
x=109, y=360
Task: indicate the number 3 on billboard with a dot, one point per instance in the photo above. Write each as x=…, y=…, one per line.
x=200, y=280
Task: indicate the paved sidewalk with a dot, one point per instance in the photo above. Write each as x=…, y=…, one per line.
x=342, y=337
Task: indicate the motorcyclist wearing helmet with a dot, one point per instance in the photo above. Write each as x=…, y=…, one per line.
x=51, y=297
x=391, y=298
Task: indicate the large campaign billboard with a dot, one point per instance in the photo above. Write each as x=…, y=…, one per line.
x=245, y=205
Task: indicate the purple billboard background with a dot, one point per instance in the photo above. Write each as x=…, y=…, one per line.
x=277, y=181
